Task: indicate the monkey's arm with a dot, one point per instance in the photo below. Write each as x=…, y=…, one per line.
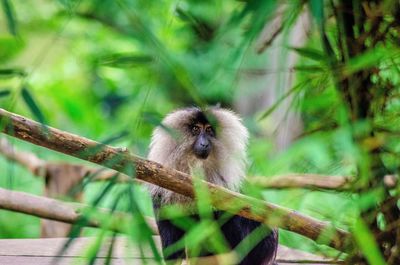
x=170, y=234
x=257, y=242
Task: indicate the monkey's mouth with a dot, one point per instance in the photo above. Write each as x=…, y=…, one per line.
x=201, y=154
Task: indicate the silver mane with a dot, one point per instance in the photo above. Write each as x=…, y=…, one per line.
x=171, y=147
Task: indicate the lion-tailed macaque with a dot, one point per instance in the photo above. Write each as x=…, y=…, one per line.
x=212, y=141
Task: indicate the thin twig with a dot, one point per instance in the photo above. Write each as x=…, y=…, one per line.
x=271, y=30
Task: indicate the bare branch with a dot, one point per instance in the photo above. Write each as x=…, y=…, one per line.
x=61, y=211
x=26, y=159
x=179, y=182
x=272, y=29
x=308, y=181
x=276, y=25
x=38, y=167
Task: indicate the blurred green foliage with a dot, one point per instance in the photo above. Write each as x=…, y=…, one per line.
x=103, y=69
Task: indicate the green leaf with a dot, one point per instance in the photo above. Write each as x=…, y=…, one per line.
x=280, y=100
x=90, y=178
x=310, y=53
x=177, y=69
x=317, y=10
x=94, y=248
x=144, y=232
x=185, y=15
x=10, y=47
x=309, y=68
x=365, y=240
x=28, y=98
x=155, y=120
x=11, y=72
x=74, y=233
x=4, y=93
x=126, y=60
x=105, y=191
x=194, y=22
x=108, y=260
x=10, y=16
x=68, y=4
x=114, y=138
x=369, y=59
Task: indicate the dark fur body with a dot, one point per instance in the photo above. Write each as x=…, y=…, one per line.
x=224, y=165
x=234, y=230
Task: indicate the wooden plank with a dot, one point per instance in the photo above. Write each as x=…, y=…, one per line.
x=45, y=251
x=50, y=247
x=17, y=260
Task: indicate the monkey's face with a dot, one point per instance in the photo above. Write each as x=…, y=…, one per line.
x=203, y=134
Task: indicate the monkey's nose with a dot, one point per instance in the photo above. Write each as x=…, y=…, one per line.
x=202, y=149
x=205, y=145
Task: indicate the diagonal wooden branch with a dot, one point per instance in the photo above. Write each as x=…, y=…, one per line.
x=124, y=162
x=62, y=211
x=295, y=180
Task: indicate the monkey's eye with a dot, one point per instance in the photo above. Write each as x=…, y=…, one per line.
x=210, y=131
x=195, y=129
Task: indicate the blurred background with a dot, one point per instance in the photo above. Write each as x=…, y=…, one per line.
x=110, y=70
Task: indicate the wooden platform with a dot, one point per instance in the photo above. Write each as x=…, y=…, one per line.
x=45, y=251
